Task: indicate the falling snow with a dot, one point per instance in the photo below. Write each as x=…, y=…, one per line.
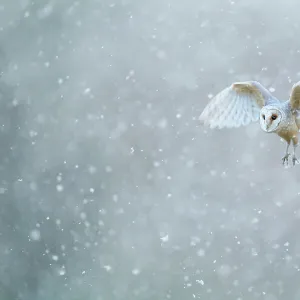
x=35, y=235
x=110, y=186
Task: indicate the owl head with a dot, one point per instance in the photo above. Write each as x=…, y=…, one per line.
x=270, y=118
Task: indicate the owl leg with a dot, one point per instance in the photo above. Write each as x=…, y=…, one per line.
x=285, y=159
x=294, y=159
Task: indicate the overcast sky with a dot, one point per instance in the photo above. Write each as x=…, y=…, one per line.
x=110, y=188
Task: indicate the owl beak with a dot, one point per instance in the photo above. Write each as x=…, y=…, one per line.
x=268, y=124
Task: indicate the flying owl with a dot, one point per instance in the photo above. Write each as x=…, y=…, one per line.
x=244, y=102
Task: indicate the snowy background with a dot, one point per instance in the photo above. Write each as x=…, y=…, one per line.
x=109, y=187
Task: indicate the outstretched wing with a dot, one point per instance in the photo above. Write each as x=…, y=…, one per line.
x=237, y=105
x=295, y=96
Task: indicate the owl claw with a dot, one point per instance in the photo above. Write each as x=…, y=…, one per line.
x=295, y=160
x=285, y=159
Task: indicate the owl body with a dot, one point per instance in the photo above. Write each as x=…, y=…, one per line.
x=246, y=102
x=290, y=123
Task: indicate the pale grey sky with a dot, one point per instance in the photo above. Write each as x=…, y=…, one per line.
x=110, y=188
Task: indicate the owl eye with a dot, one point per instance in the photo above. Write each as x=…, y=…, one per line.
x=274, y=117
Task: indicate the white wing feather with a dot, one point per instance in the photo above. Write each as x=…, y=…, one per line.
x=295, y=96
x=237, y=105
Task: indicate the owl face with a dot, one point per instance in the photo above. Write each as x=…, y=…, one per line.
x=270, y=119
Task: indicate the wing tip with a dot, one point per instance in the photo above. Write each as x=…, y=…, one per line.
x=205, y=121
x=296, y=84
x=243, y=86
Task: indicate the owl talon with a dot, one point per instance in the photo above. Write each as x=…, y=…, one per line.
x=295, y=160
x=285, y=159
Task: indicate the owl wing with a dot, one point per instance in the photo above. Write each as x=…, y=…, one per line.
x=295, y=96
x=237, y=105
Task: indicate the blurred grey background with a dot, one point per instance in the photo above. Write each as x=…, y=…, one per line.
x=109, y=187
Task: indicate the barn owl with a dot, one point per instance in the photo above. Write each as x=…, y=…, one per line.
x=244, y=102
